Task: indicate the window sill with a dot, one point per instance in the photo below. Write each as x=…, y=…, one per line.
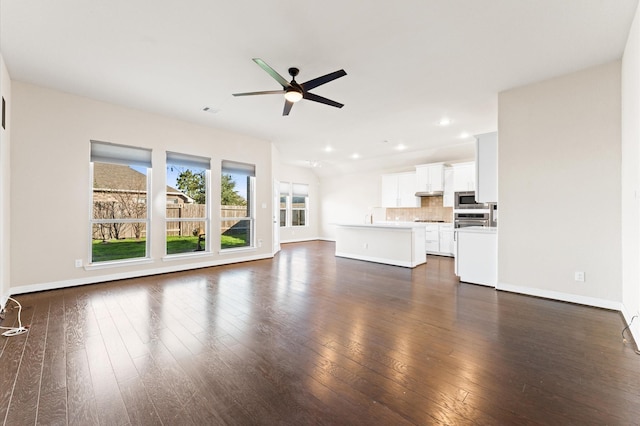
x=237, y=250
x=117, y=263
x=182, y=256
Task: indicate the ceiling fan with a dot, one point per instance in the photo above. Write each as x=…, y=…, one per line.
x=294, y=91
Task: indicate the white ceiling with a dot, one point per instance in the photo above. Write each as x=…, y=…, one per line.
x=409, y=64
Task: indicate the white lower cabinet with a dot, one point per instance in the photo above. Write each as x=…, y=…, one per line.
x=446, y=239
x=432, y=239
x=477, y=255
x=439, y=238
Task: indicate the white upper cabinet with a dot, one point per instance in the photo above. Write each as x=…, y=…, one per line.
x=399, y=190
x=464, y=176
x=389, y=190
x=487, y=168
x=407, y=190
x=447, y=197
x=430, y=177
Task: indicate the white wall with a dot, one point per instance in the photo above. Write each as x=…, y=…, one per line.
x=51, y=191
x=5, y=190
x=348, y=199
x=294, y=174
x=559, y=187
x=631, y=176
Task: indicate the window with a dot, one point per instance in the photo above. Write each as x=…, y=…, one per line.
x=299, y=201
x=187, y=211
x=236, y=205
x=120, y=212
x=285, y=192
x=294, y=204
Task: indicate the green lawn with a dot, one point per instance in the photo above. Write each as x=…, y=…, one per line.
x=117, y=249
x=131, y=248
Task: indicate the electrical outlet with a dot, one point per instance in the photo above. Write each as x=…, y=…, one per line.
x=579, y=276
x=366, y=245
x=78, y=263
x=259, y=243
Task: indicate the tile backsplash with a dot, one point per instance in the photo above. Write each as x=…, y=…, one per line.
x=430, y=209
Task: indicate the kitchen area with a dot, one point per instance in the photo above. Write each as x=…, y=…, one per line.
x=443, y=209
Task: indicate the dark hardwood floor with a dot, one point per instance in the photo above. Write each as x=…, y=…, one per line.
x=307, y=338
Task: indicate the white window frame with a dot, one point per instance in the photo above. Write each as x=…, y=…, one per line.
x=106, y=152
x=285, y=190
x=295, y=190
x=186, y=160
x=300, y=190
x=251, y=201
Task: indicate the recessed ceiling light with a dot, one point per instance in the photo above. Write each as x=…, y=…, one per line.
x=355, y=155
x=314, y=163
x=401, y=147
x=464, y=135
x=328, y=148
x=445, y=121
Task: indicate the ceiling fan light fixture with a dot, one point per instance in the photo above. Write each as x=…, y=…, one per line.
x=293, y=95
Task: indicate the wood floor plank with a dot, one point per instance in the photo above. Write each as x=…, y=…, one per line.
x=52, y=408
x=160, y=392
x=11, y=361
x=54, y=362
x=24, y=402
x=110, y=407
x=308, y=338
x=140, y=409
x=81, y=404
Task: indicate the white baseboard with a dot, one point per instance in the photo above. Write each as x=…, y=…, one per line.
x=564, y=297
x=298, y=240
x=3, y=301
x=130, y=274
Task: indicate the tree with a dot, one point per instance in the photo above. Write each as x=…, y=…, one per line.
x=229, y=196
x=193, y=185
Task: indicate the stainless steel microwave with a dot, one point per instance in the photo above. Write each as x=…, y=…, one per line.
x=467, y=200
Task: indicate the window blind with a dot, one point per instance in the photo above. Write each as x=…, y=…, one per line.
x=186, y=160
x=300, y=190
x=106, y=152
x=285, y=188
x=238, y=168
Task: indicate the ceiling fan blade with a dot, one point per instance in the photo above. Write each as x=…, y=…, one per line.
x=322, y=100
x=273, y=73
x=265, y=92
x=287, y=107
x=308, y=85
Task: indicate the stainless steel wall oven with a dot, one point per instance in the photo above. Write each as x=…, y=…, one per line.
x=469, y=218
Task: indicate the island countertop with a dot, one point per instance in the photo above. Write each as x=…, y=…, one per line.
x=395, y=225
x=393, y=244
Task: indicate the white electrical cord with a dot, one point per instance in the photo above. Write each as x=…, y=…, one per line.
x=15, y=331
x=624, y=339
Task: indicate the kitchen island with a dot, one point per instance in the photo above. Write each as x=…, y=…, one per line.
x=400, y=244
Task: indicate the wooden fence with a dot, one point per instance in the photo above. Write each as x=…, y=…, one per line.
x=183, y=227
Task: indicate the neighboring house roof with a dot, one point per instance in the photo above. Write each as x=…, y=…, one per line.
x=114, y=176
